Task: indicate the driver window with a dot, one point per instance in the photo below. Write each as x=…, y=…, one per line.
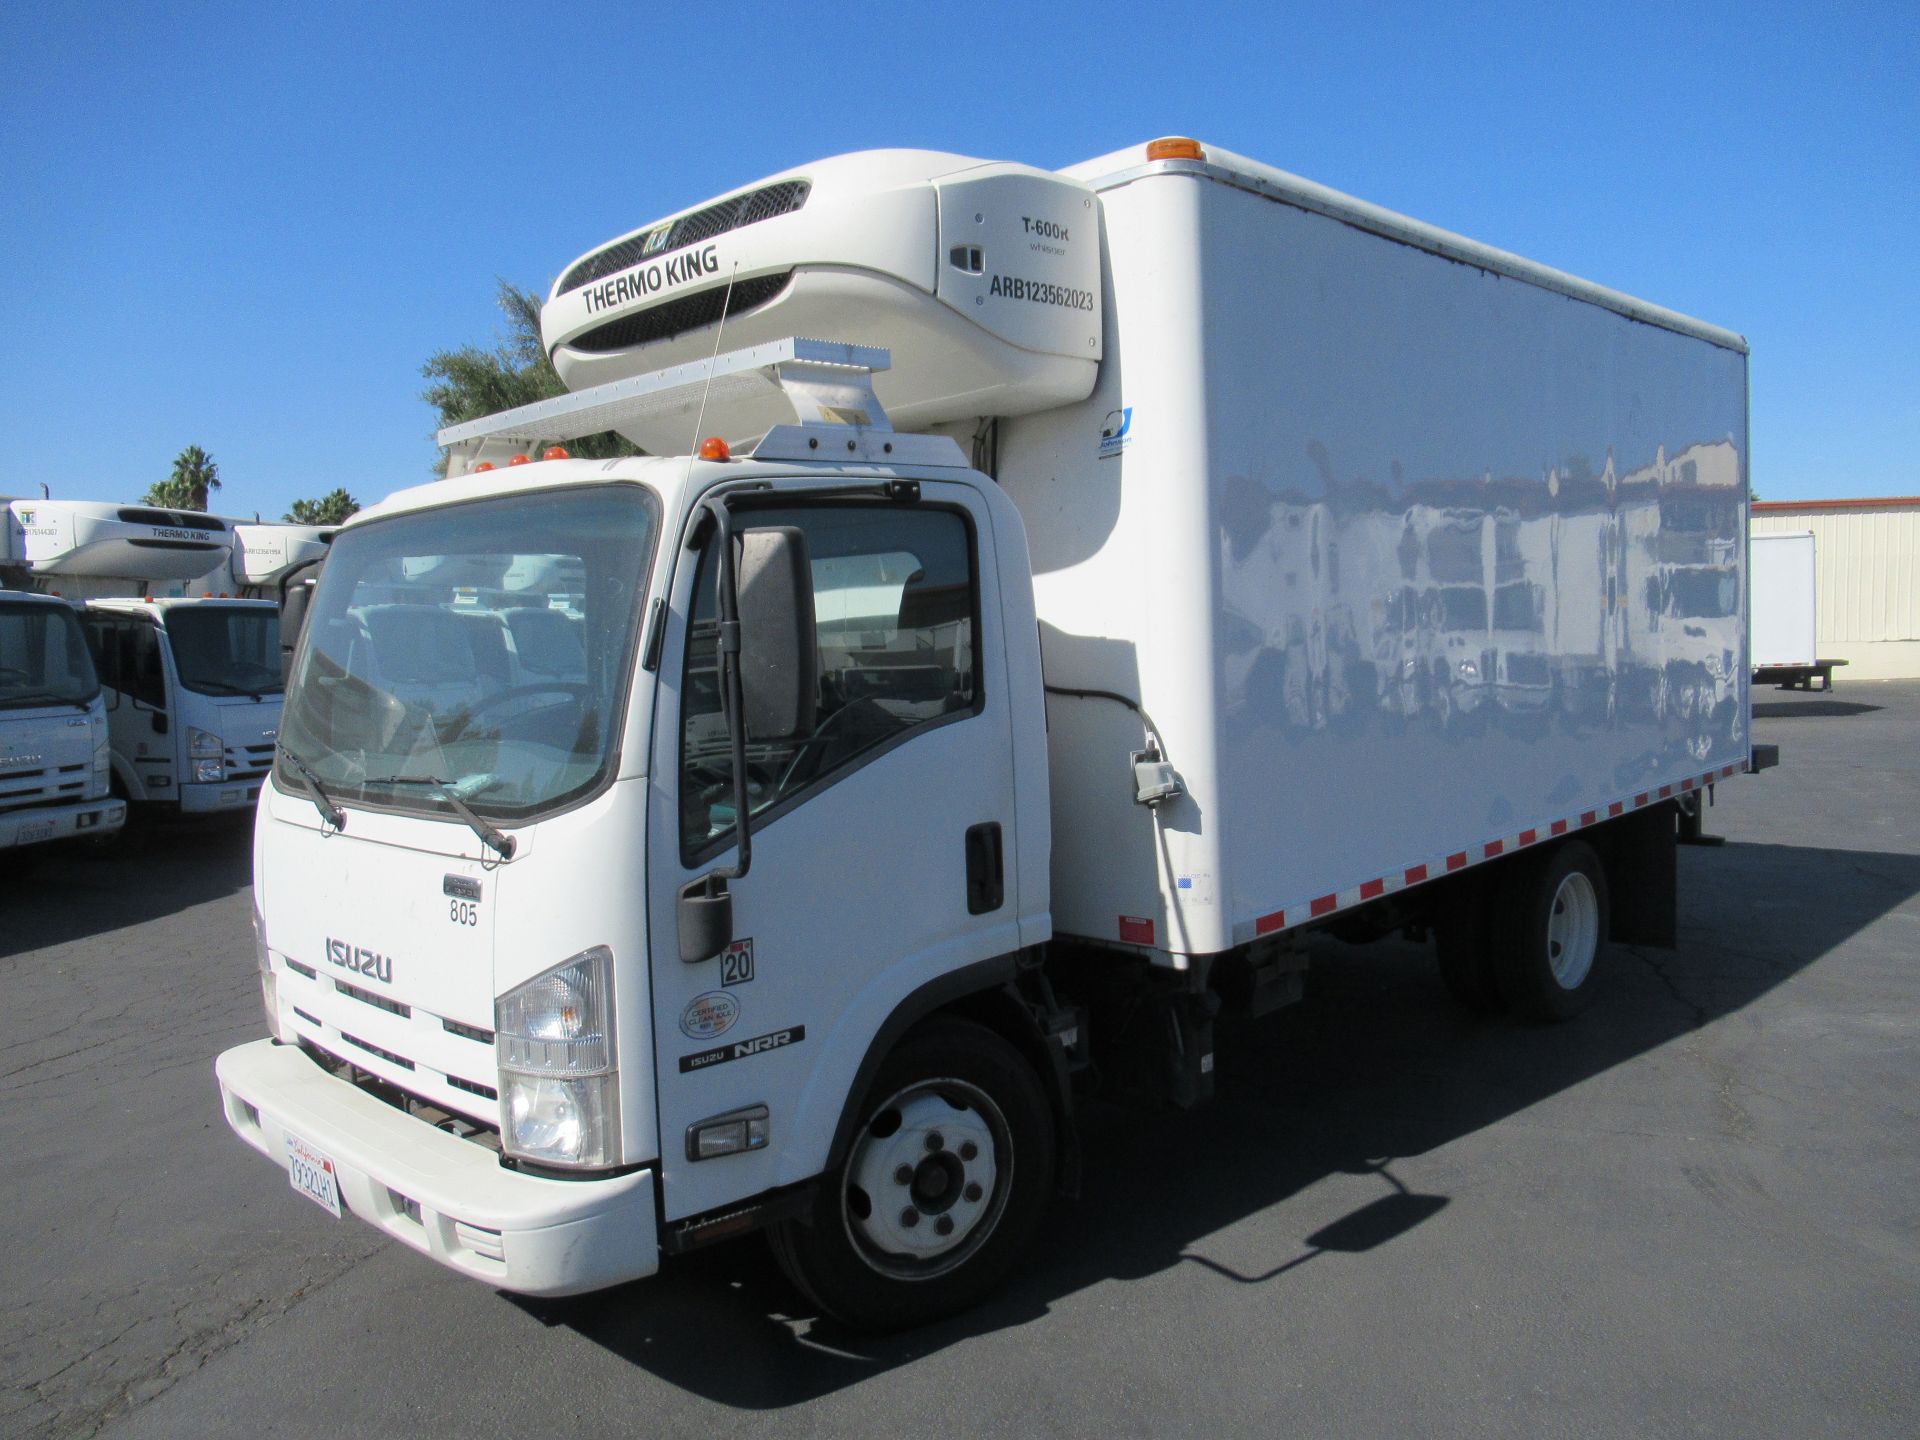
x=894, y=603
x=139, y=666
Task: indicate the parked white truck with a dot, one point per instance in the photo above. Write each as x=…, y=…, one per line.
x=1058, y=725
x=191, y=670
x=54, y=776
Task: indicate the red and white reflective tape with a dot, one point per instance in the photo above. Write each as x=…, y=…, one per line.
x=1313, y=908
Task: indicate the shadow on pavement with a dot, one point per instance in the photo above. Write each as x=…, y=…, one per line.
x=1808, y=709
x=157, y=870
x=1375, y=1064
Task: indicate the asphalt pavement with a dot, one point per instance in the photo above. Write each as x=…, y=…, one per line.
x=1695, y=1210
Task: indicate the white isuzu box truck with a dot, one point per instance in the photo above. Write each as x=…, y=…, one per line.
x=54, y=758
x=1265, y=562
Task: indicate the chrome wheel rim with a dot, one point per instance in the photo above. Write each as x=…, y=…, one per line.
x=1573, y=930
x=927, y=1180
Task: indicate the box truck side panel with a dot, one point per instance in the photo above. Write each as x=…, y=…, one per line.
x=1415, y=464
x=1783, y=599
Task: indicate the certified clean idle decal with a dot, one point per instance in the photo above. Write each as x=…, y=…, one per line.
x=709, y=1015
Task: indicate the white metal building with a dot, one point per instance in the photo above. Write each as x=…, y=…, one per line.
x=1867, y=554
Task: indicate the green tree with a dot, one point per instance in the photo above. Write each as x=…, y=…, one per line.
x=329, y=509
x=471, y=382
x=194, y=478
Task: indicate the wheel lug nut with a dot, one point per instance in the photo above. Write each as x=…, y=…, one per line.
x=904, y=1175
x=968, y=1150
x=936, y=1141
x=909, y=1217
x=944, y=1225
x=973, y=1190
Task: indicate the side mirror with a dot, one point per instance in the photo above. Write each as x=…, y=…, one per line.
x=778, y=652
x=296, y=594
x=706, y=919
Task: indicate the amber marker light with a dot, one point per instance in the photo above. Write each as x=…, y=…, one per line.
x=483, y=465
x=520, y=460
x=714, y=448
x=1175, y=147
x=555, y=452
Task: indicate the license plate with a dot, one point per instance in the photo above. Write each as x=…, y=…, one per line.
x=313, y=1175
x=35, y=833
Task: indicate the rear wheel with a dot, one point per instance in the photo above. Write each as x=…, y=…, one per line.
x=1550, y=923
x=942, y=1187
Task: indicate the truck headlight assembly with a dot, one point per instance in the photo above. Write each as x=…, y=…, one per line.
x=559, y=1080
x=202, y=743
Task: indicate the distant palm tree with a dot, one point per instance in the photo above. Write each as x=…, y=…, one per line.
x=329, y=509
x=194, y=477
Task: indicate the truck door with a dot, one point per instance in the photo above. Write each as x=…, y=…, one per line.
x=864, y=884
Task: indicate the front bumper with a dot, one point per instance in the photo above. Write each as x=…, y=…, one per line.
x=518, y=1232
x=209, y=799
x=86, y=818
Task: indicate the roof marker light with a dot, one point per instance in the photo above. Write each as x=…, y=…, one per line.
x=483, y=465
x=520, y=460
x=714, y=448
x=1175, y=147
x=556, y=452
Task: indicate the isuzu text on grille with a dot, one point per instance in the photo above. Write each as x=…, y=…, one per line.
x=362, y=961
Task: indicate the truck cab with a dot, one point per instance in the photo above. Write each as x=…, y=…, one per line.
x=193, y=694
x=53, y=728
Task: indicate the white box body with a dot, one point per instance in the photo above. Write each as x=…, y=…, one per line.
x=1781, y=571
x=1406, y=557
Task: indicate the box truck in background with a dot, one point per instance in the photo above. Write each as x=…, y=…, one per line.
x=1784, y=618
x=1265, y=564
x=54, y=755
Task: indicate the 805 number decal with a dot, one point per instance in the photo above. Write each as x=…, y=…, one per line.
x=463, y=912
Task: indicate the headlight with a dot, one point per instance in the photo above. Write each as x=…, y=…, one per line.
x=209, y=772
x=202, y=742
x=559, y=1077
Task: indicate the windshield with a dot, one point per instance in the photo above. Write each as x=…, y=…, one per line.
x=485, y=645
x=43, y=657
x=226, y=650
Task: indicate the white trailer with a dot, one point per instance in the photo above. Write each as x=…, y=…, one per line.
x=191, y=671
x=1272, y=564
x=54, y=777
x=1784, y=621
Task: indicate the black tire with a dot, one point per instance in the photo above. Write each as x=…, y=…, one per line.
x=948, y=1081
x=1550, y=932
x=1463, y=944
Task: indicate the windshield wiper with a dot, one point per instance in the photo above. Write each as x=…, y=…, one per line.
x=225, y=687
x=322, y=801
x=502, y=843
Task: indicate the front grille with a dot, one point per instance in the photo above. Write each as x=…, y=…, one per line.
x=373, y=1049
x=464, y=1126
x=473, y=1087
x=677, y=317
x=467, y=1032
x=29, y=787
x=748, y=209
x=248, y=762
x=392, y=1007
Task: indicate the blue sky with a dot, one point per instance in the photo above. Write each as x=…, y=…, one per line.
x=246, y=226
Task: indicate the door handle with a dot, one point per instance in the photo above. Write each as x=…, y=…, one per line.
x=986, y=887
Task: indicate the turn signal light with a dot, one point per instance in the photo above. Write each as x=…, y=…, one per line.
x=1175, y=147
x=714, y=448
x=555, y=452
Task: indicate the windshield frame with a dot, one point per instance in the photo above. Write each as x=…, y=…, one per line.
x=19, y=603
x=407, y=800
x=276, y=687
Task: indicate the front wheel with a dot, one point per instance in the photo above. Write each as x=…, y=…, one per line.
x=1551, y=932
x=942, y=1187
